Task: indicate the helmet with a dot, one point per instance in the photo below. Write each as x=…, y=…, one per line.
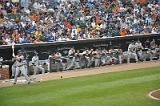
x=35, y=53
x=19, y=51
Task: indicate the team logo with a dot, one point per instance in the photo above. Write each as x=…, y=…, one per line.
x=65, y=52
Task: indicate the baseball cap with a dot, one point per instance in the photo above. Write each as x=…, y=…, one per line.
x=35, y=53
x=132, y=40
x=72, y=46
x=57, y=50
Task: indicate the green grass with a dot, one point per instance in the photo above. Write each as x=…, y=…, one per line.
x=126, y=88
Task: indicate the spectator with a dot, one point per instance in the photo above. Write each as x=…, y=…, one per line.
x=51, y=37
x=25, y=3
x=37, y=40
x=123, y=32
x=109, y=34
x=22, y=39
x=74, y=37
x=8, y=40
x=89, y=19
x=38, y=32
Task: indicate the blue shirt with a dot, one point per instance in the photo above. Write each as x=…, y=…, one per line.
x=50, y=37
x=73, y=38
x=94, y=2
x=30, y=30
x=149, y=30
x=89, y=5
x=109, y=35
x=27, y=40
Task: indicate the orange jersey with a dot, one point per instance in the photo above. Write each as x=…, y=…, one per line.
x=37, y=40
x=141, y=1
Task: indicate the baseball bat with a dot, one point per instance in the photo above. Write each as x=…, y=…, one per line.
x=12, y=47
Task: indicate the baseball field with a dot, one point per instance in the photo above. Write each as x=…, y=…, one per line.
x=119, y=88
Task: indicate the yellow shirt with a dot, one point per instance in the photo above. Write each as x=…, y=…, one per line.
x=38, y=33
x=78, y=30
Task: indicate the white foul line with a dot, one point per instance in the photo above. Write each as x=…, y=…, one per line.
x=153, y=96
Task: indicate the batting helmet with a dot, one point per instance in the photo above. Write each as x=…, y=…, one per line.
x=19, y=51
x=35, y=53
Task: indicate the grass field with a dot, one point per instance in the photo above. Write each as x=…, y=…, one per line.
x=126, y=88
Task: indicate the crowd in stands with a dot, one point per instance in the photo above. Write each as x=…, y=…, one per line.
x=34, y=21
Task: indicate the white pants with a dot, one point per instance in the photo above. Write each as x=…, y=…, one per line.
x=13, y=70
x=132, y=54
x=97, y=62
x=48, y=67
x=23, y=71
x=70, y=63
x=58, y=64
x=36, y=68
x=103, y=60
x=120, y=59
x=140, y=54
x=153, y=53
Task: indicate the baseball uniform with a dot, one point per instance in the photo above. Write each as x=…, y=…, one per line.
x=59, y=62
x=131, y=51
x=20, y=67
x=36, y=66
x=71, y=60
x=139, y=51
x=153, y=47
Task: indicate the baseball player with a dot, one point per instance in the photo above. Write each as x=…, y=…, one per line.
x=139, y=48
x=92, y=59
x=19, y=59
x=48, y=61
x=36, y=64
x=96, y=55
x=147, y=47
x=71, y=59
x=87, y=58
x=153, y=47
x=77, y=59
x=120, y=55
x=112, y=53
x=14, y=66
x=58, y=61
x=132, y=51
x=103, y=57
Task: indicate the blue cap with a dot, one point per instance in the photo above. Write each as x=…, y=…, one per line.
x=53, y=52
x=19, y=51
x=72, y=47
x=57, y=51
x=35, y=53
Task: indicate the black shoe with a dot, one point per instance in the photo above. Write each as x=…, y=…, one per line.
x=29, y=82
x=12, y=77
x=14, y=83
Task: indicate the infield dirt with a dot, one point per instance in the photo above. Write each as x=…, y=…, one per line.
x=156, y=94
x=91, y=71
